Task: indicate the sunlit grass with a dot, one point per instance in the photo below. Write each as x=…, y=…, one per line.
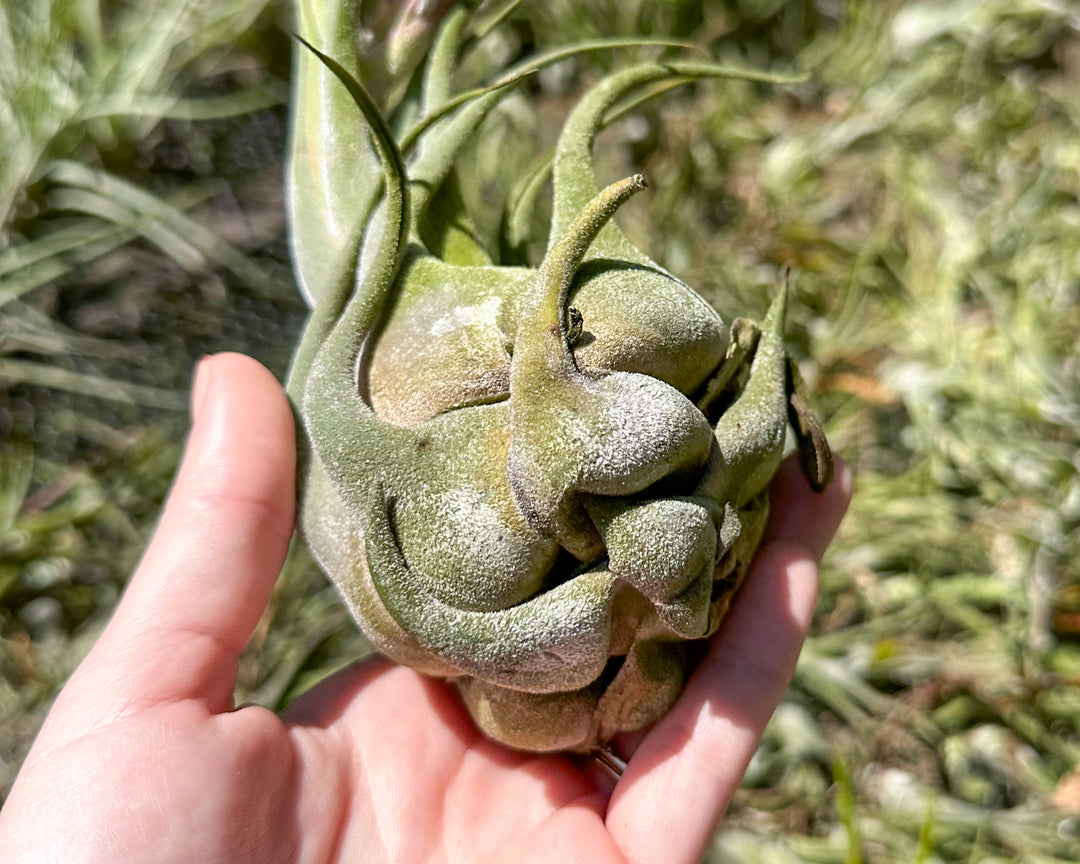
x=93, y=80
x=75, y=72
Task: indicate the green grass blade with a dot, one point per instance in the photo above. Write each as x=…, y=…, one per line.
x=14, y=371
x=165, y=224
x=161, y=107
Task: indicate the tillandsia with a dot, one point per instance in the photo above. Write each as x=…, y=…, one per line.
x=543, y=482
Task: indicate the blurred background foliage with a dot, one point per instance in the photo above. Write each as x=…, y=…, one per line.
x=923, y=185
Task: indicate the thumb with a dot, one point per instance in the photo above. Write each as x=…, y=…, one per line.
x=205, y=578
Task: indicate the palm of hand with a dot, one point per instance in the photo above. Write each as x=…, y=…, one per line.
x=144, y=758
x=246, y=786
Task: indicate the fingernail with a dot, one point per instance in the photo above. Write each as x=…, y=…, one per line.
x=200, y=386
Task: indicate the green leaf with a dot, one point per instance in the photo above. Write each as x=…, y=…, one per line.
x=348, y=310
x=574, y=176
x=332, y=181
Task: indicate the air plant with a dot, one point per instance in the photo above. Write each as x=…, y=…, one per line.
x=541, y=482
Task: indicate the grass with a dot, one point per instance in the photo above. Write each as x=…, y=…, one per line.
x=923, y=184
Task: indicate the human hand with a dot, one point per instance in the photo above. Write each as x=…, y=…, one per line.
x=144, y=757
